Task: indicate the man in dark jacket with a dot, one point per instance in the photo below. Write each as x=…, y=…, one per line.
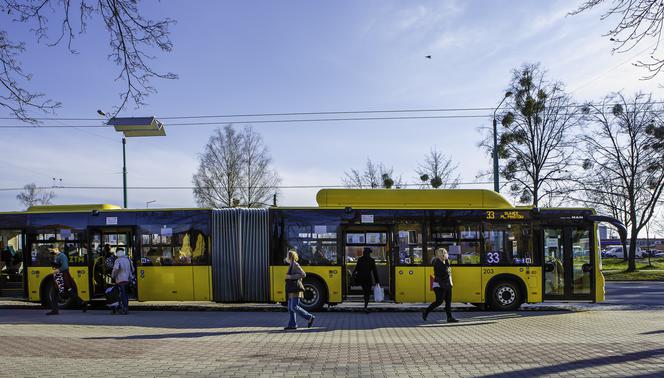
x=366, y=266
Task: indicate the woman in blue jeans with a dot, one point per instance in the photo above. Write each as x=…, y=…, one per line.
x=294, y=292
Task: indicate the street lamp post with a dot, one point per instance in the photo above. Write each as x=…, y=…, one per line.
x=133, y=127
x=124, y=172
x=496, y=178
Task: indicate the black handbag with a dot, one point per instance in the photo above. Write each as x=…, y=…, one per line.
x=293, y=286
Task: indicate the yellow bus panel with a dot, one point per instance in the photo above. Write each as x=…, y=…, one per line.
x=467, y=285
x=410, y=284
x=80, y=276
x=531, y=276
x=165, y=283
x=202, y=283
x=412, y=199
x=330, y=274
x=36, y=276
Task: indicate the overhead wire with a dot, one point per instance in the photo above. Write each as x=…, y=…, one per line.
x=322, y=113
x=157, y=187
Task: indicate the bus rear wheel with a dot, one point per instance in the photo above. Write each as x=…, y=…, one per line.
x=314, y=295
x=505, y=296
x=68, y=303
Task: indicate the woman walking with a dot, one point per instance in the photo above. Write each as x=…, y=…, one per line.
x=442, y=285
x=295, y=291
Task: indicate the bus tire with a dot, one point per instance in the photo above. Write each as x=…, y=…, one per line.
x=505, y=296
x=68, y=303
x=315, y=295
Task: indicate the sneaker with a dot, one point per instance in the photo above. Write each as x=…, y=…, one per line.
x=53, y=312
x=311, y=322
x=425, y=314
x=451, y=320
x=366, y=310
x=289, y=328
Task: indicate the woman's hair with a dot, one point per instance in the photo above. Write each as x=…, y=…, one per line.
x=292, y=256
x=440, y=253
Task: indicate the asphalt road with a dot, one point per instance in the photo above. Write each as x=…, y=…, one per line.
x=635, y=293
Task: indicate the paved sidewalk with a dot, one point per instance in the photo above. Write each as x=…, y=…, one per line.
x=527, y=343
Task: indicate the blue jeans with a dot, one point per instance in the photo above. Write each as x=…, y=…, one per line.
x=294, y=309
x=124, y=298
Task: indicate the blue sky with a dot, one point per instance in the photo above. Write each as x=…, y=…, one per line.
x=260, y=56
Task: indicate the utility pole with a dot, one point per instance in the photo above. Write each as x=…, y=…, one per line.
x=496, y=178
x=124, y=172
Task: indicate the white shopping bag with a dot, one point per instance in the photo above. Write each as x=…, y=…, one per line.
x=379, y=294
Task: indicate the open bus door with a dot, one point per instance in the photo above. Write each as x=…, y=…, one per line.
x=13, y=257
x=104, y=244
x=378, y=240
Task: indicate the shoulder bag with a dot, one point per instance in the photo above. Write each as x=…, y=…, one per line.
x=293, y=286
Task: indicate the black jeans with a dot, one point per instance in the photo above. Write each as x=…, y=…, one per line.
x=442, y=294
x=366, y=290
x=54, y=296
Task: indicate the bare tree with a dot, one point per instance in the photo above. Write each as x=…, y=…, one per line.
x=235, y=169
x=217, y=182
x=372, y=177
x=536, y=140
x=32, y=195
x=132, y=37
x=636, y=20
x=259, y=180
x=438, y=171
x=625, y=149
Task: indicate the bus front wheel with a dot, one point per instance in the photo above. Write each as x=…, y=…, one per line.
x=314, y=295
x=505, y=296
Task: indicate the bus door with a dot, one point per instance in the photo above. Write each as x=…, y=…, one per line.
x=568, y=263
x=377, y=239
x=105, y=243
x=13, y=256
x=410, y=270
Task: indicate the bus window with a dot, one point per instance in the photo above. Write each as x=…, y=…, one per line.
x=463, y=247
x=410, y=244
x=443, y=236
x=66, y=240
x=315, y=244
x=509, y=244
x=357, y=241
x=167, y=246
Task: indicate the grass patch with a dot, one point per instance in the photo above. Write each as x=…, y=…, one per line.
x=614, y=270
x=639, y=275
x=619, y=264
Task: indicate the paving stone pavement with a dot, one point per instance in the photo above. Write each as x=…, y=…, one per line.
x=524, y=343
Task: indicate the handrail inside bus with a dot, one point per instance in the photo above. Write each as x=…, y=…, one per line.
x=622, y=230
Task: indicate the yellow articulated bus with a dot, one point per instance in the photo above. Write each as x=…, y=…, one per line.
x=502, y=255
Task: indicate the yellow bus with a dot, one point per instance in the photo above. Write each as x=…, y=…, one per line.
x=502, y=255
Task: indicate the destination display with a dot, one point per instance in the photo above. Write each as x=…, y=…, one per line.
x=506, y=215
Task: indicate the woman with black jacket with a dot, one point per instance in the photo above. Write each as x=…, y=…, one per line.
x=364, y=270
x=442, y=285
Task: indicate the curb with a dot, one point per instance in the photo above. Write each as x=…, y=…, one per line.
x=18, y=305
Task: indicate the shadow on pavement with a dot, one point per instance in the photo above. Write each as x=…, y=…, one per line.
x=567, y=367
x=653, y=332
x=266, y=322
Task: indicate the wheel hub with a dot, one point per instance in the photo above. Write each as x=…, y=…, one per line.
x=310, y=295
x=506, y=295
